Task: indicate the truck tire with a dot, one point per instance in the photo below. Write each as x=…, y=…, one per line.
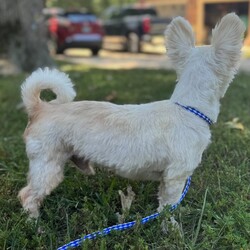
x=95, y=51
x=133, y=43
x=59, y=49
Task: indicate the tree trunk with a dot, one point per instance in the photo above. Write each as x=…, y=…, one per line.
x=25, y=39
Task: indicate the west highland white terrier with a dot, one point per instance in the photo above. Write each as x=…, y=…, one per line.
x=160, y=141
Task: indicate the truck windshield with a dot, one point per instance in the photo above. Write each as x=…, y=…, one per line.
x=78, y=18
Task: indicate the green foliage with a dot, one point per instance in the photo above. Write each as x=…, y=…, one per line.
x=214, y=215
x=97, y=6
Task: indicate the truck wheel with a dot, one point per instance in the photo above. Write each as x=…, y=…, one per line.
x=95, y=51
x=133, y=43
x=59, y=50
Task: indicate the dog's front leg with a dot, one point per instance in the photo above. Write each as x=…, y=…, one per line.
x=170, y=190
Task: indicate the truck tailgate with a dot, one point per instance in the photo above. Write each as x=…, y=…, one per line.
x=158, y=25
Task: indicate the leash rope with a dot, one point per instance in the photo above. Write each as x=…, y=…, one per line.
x=196, y=112
x=124, y=226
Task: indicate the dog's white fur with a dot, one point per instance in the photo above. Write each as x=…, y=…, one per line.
x=156, y=141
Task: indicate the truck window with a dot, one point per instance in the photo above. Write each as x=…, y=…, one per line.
x=77, y=18
x=116, y=14
x=111, y=13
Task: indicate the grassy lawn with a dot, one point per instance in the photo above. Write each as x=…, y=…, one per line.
x=80, y=205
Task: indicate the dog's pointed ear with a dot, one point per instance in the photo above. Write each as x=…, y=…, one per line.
x=227, y=39
x=179, y=39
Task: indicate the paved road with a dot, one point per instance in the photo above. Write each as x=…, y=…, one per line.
x=121, y=60
x=116, y=60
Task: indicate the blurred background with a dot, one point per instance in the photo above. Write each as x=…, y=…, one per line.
x=34, y=33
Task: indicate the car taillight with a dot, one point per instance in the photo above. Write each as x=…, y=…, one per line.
x=146, y=25
x=70, y=28
x=98, y=27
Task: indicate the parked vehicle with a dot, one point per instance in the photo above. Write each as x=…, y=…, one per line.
x=129, y=27
x=76, y=30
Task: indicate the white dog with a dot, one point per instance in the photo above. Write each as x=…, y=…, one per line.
x=161, y=141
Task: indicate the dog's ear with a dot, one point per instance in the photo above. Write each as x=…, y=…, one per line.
x=179, y=39
x=227, y=39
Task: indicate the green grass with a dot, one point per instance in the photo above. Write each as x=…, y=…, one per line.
x=214, y=215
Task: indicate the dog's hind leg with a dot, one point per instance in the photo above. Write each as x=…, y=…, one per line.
x=45, y=174
x=83, y=165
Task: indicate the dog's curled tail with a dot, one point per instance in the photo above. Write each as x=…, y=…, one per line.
x=41, y=79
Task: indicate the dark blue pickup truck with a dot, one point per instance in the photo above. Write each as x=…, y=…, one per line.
x=128, y=28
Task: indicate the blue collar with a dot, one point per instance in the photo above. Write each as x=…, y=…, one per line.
x=196, y=112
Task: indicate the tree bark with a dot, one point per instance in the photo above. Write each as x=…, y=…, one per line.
x=24, y=33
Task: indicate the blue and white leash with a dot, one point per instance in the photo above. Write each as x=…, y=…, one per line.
x=196, y=112
x=123, y=226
